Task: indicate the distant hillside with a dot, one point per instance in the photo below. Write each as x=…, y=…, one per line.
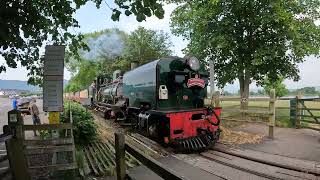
x=21, y=85
x=15, y=84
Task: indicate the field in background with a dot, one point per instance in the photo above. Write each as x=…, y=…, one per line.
x=282, y=115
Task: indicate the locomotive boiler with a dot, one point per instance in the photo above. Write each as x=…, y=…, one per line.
x=164, y=100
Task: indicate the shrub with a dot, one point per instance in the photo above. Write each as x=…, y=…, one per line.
x=84, y=128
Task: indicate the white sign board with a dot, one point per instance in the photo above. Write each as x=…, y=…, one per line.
x=54, y=60
x=53, y=79
x=52, y=94
x=13, y=118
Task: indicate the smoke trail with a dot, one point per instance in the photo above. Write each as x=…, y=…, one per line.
x=106, y=46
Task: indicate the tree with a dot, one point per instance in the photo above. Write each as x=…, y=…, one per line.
x=252, y=93
x=26, y=26
x=261, y=92
x=106, y=49
x=308, y=90
x=112, y=49
x=72, y=87
x=145, y=45
x=85, y=75
x=278, y=85
x=227, y=93
x=249, y=39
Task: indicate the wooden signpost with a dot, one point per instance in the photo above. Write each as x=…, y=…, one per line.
x=53, y=82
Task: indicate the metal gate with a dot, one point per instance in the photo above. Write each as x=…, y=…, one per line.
x=303, y=116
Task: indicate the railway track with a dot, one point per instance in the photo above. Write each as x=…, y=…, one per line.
x=299, y=165
x=248, y=167
x=240, y=164
x=259, y=169
x=229, y=163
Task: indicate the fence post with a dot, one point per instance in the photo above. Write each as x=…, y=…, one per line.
x=272, y=115
x=217, y=99
x=120, y=156
x=298, y=110
x=15, y=147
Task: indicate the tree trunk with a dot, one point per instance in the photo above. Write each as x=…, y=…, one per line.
x=244, y=80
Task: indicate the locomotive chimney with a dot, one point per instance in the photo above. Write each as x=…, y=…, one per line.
x=134, y=65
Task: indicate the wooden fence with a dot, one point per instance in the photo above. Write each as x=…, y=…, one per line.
x=243, y=113
x=37, y=157
x=59, y=151
x=298, y=113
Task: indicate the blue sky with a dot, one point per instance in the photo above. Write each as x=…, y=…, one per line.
x=91, y=19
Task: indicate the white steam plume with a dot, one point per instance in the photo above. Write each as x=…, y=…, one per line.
x=108, y=46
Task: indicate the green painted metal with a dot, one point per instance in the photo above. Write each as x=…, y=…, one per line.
x=293, y=111
x=141, y=85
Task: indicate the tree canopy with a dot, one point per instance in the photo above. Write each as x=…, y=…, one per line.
x=306, y=91
x=26, y=26
x=249, y=39
x=278, y=85
x=112, y=49
x=145, y=45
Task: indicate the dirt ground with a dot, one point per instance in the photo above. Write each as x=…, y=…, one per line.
x=290, y=142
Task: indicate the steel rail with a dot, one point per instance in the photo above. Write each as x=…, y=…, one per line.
x=275, y=164
x=241, y=168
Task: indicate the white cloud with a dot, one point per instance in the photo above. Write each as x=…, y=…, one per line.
x=309, y=73
x=20, y=73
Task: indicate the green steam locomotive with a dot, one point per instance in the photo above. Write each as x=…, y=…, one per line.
x=164, y=100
